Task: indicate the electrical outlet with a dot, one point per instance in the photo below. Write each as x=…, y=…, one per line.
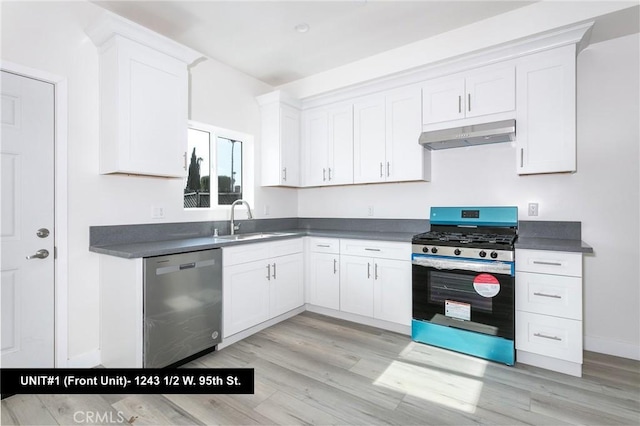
x=370, y=211
x=533, y=209
x=157, y=212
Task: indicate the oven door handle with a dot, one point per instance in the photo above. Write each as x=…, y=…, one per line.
x=496, y=267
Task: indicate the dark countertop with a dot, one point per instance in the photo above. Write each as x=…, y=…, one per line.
x=146, y=240
x=160, y=248
x=553, y=244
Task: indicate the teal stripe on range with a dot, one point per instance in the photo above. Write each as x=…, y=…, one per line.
x=486, y=216
x=484, y=346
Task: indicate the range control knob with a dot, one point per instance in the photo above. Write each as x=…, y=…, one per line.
x=456, y=252
x=482, y=253
x=425, y=249
x=434, y=250
x=494, y=254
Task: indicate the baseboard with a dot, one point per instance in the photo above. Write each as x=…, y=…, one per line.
x=248, y=332
x=548, y=363
x=385, y=325
x=612, y=347
x=86, y=360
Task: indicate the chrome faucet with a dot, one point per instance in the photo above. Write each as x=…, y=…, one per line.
x=235, y=227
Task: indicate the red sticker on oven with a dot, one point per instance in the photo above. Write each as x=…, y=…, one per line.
x=486, y=285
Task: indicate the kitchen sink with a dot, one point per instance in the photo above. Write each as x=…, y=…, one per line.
x=253, y=236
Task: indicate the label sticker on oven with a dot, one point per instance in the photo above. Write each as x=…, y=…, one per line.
x=457, y=310
x=486, y=285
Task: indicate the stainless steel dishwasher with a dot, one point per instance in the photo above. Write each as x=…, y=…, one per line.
x=182, y=306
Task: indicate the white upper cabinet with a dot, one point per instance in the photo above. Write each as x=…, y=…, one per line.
x=369, y=139
x=143, y=100
x=386, y=129
x=328, y=145
x=483, y=91
x=546, y=112
x=406, y=159
x=280, y=140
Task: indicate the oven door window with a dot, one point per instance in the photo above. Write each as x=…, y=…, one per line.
x=455, y=287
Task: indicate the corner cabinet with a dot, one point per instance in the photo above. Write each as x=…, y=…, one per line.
x=386, y=128
x=375, y=280
x=323, y=274
x=143, y=100
x=327, y=145
x=546, y=112
x=280, y=143
x=261, y=281
x=549, y=310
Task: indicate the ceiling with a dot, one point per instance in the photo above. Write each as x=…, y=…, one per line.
x=259, y=37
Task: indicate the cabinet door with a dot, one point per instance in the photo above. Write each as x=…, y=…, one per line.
x=286, y=284
x=143, y=117
x=315, y=146
x=369, y=138
x=340, y=164
x=290, y=146
x=546, y=112
x=356, y=285
x=324, y=276
x=246, y=296
x=443, y=100
x=392, y=290
x=490, y=90
x=405, y=158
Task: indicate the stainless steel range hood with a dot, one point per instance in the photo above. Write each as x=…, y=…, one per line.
x=477, y=134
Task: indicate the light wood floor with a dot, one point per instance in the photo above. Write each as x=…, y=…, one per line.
x=312, y=369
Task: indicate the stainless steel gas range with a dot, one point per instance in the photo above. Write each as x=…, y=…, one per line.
x=463, y=276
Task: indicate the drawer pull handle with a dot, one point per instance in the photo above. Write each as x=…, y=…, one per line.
x=542, y=262
x=544, y=336
x=375, y=271
x=269, y=272
x=371, y=249
x=335, y=266
x=323, y=245
x=368, y=270
x=553, y=296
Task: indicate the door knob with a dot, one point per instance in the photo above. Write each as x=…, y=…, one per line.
x=40, y=254
x=42, y=233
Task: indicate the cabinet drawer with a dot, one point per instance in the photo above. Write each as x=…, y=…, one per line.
x=380, y=249
x=324, y=245
x=555, y=295
x=549, y=262
x=286, y=247
x=256, y=251
x=549, y=336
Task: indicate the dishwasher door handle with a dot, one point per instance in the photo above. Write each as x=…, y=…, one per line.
x=181, y=267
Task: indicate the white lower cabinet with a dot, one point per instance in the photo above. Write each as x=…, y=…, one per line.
x=375, y=280
x=323, y=273
x=265, y=283
x=549, y=310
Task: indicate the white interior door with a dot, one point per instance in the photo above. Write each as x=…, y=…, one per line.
x=27, y=208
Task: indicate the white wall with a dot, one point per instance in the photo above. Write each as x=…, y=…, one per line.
x=603, y=194
x=519, y=23
x=49, y=36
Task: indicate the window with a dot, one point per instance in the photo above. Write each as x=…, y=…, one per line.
x=218, y=153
